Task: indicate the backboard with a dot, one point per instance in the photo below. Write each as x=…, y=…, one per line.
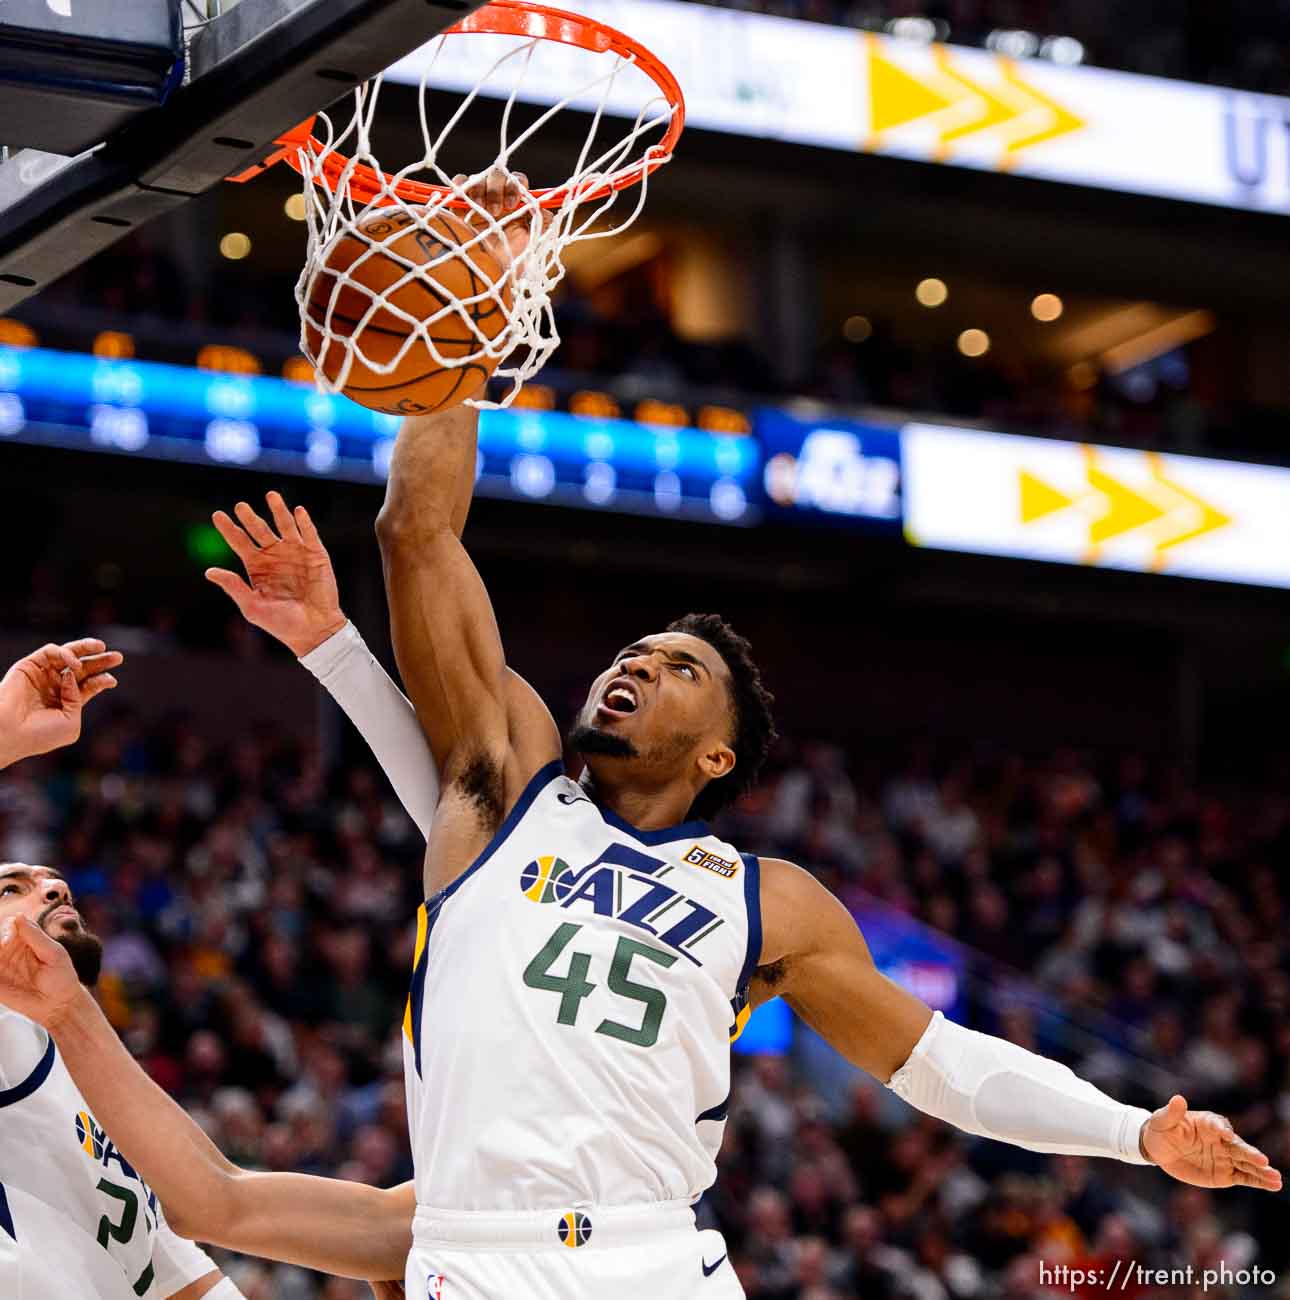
x=250, y=71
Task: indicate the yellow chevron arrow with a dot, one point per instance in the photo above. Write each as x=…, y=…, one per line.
x=1125, y=508
x=1171, y=513
x=1013, y=113
x=1203, y=517
x=897, y=98
x=1055, y=121
x=987, y=109
x=1040, y=499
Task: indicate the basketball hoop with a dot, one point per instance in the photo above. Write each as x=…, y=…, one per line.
x=345, y=185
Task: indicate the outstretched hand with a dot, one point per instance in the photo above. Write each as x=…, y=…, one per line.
x=42, y=696
x=37, y=978
x=1200, y=1147
x=292, y=593
x=500, y=192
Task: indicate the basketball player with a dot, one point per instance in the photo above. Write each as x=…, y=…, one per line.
x=76, y=1217
x=588, y=947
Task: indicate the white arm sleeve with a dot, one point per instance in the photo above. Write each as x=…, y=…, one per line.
x=384, y=717
x=995, y=1089
x=178, y=1262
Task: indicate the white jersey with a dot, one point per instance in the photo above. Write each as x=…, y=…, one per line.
x=71, y=1196
x=573, y=1000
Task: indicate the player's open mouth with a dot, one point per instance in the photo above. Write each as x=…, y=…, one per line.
x=64, y=913
x=619, y=701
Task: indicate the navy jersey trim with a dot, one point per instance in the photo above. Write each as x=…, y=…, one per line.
x=539, y=781
x=718, y=1112
x=417, y=992
x=694, y=830
x=21, y=1091
x=6, y=1215
x=752, y=902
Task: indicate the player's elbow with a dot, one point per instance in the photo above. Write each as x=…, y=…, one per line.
x=210, y=1217
x=401, y=526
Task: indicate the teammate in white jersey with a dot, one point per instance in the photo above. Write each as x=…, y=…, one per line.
x=76, y=1216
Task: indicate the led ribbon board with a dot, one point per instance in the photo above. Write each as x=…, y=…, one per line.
x=1039, y=499
x=167, y=412
x=809, y=83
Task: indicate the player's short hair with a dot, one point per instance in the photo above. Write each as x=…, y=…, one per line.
x=750, y=706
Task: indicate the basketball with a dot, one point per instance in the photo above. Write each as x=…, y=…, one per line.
x=418, y=384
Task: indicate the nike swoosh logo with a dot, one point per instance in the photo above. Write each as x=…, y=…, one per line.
x=572, y=798
x=710, y=1269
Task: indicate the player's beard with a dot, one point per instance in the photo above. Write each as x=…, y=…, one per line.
x=585, y=740
x=85, y=950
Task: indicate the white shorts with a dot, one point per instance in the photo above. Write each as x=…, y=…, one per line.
x=589, y=1253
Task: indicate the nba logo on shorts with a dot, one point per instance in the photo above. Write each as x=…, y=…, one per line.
x=436, y=1285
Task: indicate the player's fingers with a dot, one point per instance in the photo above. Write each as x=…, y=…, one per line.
x=101, y=663
x=517, y=183
x=1171, y=1114
x=260, y=532
x=308, y=533
x=238, y=542
x=1245, y=1154
x=85, y=646
x=53, y=658
x=286, y=525
x=69, y=690
x=231, y=584
x=1267, y=1180
x=96, y=686
x=25, y=931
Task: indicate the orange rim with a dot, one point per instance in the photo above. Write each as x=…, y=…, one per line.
x=523, y=18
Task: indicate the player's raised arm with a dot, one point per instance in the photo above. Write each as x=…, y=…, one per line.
x=290, y=592
x=816, y=958
x=488, y=731
x=328, y=1224
x=42, y=696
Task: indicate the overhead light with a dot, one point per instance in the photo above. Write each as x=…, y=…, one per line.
x=974, y=343
x=1013, y=43
x=235, y=246
x=1047, y=307
x=913, y=29
x=294, y=207
x=1156, y=342
x=932, y=292
x=857, y=329
x=1065, y=50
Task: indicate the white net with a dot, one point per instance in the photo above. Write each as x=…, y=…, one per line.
x=498, y=319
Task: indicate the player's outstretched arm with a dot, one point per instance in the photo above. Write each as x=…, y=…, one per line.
x=290, y=592
x=816, y=958
x=327, y=1224
x=487, y=730
x=42, y=696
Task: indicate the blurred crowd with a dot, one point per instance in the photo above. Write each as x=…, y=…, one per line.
x=257, y=910
x=1244, y=43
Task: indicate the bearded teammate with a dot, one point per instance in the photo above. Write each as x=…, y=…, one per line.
x=75, y=1217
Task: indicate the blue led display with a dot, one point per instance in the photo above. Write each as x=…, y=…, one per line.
x=144, y=408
